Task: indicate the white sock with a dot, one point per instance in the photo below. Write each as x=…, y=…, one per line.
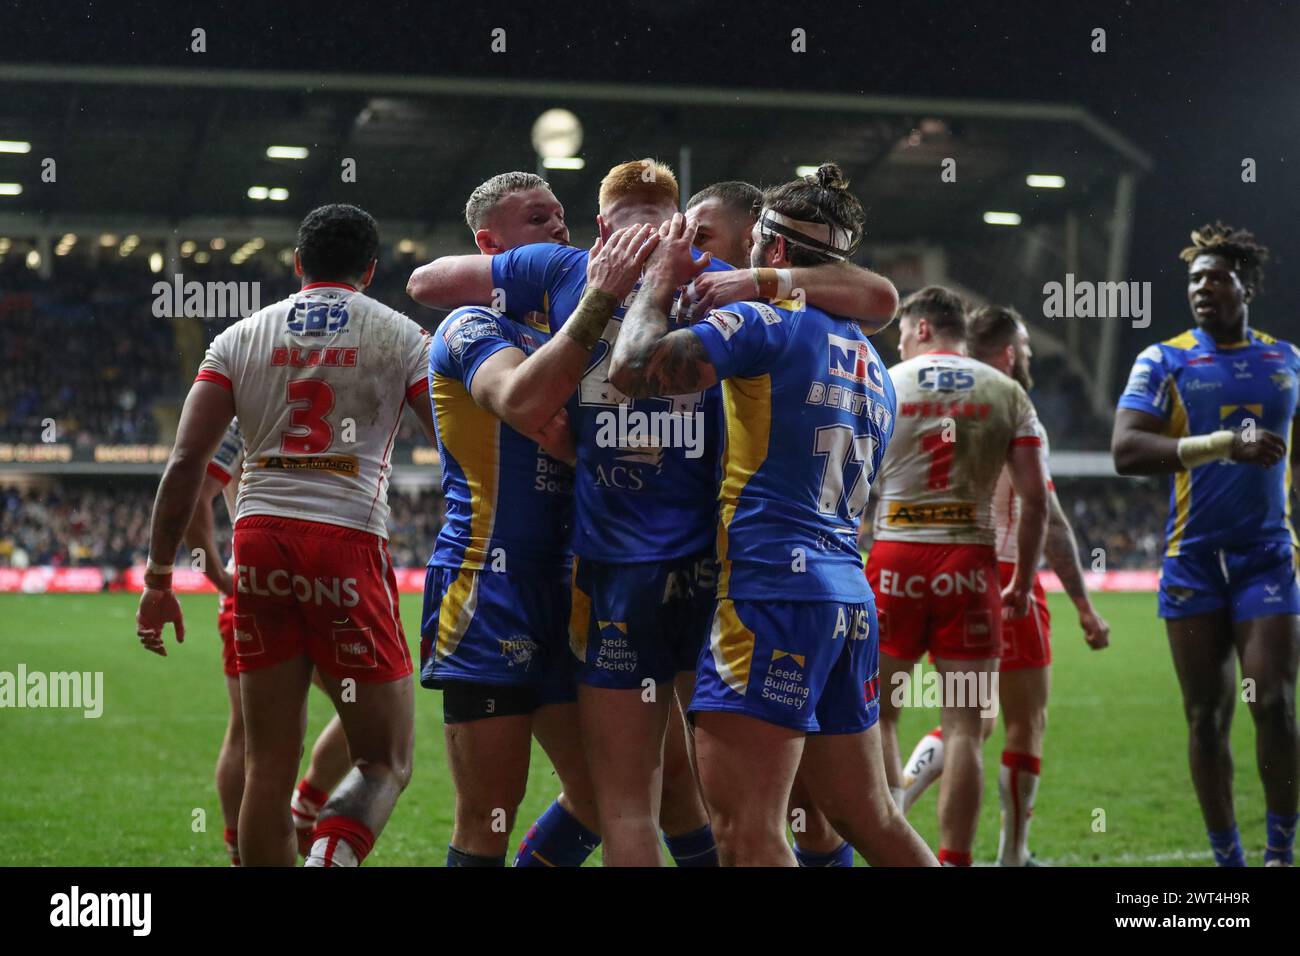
x=922, y=768
x=304, y=810
x=331, y=851
x=1017, y=788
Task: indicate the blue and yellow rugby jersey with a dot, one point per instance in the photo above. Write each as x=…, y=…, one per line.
x=809, y=413
x=1197, y=387
x=501, y=490
x=636, y=501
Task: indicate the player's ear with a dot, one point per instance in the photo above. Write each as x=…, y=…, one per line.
x=603, y=228
x=369, y=277
x=297, y=263
x=776, y=251
x=487, y=243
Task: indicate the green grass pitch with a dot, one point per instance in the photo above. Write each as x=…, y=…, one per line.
x=122, y=789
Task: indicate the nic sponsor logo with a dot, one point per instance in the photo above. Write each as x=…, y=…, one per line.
x=853, y=359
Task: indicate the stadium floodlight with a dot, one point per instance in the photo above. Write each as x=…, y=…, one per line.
x=202, y=256
x=557, y=134
x=563, y=162
x=1002, y=218
x=188, y=247
x=155, y=263
x=33, y=259
x=258, y=192
x=287, y=152
x=278, y=194
x=11, y=189
x=1045, y=181
x=108, y=240
x=14, y=146
x=69, y=239
x=805, y=170
x=217, y=244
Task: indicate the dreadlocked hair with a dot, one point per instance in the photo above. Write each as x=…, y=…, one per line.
x=1236, y=245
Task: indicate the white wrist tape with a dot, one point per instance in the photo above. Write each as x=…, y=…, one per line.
x=152, y=568
x=1197, y=450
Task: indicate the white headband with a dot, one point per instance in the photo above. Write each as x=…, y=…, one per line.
x=820, y=237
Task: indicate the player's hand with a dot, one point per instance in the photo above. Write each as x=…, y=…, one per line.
x=711, y=290
x=1015, y=600
x=556, y=439
x=672, y=263
x=222, y=580
x=156, y=609
x=1096, y=632
x=1266, y=450
x=615, y=266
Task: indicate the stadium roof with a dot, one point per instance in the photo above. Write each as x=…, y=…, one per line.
x=169, y=146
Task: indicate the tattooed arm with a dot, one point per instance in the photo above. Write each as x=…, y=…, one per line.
x=650, y=360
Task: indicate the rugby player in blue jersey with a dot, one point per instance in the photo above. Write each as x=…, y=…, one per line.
x=790, y=671
x=645, y=508
x=724, y=215
x=496, y=595
x=1215, y=408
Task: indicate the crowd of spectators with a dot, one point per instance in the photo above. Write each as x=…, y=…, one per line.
x=80, y=522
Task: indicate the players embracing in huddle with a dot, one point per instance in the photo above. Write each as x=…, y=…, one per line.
x=681, y=615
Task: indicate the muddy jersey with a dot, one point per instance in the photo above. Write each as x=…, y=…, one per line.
x=1006, y=507
x=957, y=421
x=320, y=380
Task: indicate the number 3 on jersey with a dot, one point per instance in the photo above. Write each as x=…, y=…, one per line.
x=314, y=400
x=840, y=446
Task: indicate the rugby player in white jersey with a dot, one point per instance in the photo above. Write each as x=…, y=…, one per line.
x=329, y=757
x=933, y=566
x=999, y=338
x=318, y=381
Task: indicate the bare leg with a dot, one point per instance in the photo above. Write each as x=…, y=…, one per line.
x=274, y=702
x=962, y=785
x=623, y=737
x=682, y=808
x=1270, y=650
x=230, y=763
x=1202, y=650
x=747, y=767
x=846, y=776
x=489, y=769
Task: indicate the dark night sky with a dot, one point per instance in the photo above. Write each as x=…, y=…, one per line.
x=1198, y=85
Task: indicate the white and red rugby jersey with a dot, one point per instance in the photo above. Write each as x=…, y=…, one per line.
x=1006, y=507
x=320, y=380
x=956, y=423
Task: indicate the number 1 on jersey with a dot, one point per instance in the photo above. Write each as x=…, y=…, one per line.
x=941, y=455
